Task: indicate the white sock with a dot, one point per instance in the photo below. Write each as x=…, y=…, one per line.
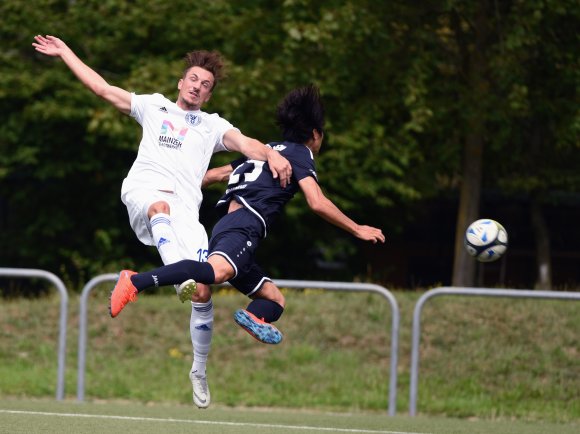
x=165, y=238
x=201, y=328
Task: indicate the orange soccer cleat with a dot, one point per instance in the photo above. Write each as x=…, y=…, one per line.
x=123, y=293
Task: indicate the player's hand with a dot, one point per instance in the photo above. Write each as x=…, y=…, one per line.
x=280, y=167
x=49, y=45
x=368, y=233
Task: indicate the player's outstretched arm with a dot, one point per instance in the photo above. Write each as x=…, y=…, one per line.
x=326, y=209
x=256, y=150
x=54, y=47
x=217, y=174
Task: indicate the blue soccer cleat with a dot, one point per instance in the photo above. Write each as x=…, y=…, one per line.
x=257, y=328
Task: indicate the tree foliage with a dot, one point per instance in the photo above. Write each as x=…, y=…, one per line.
x=405, y=86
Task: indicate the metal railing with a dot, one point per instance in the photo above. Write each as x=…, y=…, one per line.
x=457, y=291
x=46, y=275
x=395, y=321
x=333, y=286
x=83, y=328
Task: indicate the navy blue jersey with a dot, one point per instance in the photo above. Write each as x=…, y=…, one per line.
x=251, y=183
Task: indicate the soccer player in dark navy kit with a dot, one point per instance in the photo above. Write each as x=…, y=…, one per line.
x=252, y=201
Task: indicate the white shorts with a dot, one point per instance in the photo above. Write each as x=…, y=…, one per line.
x=191, y=235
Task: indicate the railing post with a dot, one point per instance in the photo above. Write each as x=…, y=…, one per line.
x=83, y=329
x=471, y=292
x=42, y=274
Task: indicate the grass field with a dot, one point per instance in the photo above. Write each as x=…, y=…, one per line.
x=504, y=362
x=42, y=416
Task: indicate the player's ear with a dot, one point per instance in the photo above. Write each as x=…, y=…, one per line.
x=180, y=83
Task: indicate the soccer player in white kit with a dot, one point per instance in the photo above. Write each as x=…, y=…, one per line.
x=162, y=191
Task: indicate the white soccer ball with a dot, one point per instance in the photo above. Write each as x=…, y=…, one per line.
x=486, y=240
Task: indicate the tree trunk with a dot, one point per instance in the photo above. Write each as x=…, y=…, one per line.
x=543, y=253
x=474, y=67
x=468, y=210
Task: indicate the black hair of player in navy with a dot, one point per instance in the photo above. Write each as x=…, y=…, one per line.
x=300, y=112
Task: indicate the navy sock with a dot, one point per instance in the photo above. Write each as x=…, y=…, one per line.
x=174, y=274
x=267, y=310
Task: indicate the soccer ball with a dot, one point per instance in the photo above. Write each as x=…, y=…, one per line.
x=486, y=240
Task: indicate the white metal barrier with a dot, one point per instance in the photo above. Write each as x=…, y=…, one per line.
x=42, y=274
x=333, y=286
x=483, y=292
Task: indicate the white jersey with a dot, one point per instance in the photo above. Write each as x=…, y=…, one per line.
x=175, y=149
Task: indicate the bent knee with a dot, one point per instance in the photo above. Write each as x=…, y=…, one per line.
x=280, y=299
x=202, y=294
x=160, y=207
x=223, y=270
x=271, y=292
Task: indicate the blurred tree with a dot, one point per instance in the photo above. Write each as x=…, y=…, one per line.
x=424, y=101
x=502, y=81
x=65, y=152
x=537, y=122
x=375, y=112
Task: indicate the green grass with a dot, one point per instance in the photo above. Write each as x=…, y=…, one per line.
x=49, y=416
x=480, y=357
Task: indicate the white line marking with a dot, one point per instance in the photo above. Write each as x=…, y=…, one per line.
x=205, y=422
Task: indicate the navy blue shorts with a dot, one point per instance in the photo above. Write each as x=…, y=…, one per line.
x=236, y=237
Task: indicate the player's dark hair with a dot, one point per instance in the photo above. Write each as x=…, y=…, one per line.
x=211, y=61
x=300, y=112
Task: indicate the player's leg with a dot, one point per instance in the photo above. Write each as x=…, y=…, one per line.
x=149, y=216
x=201, y=327
x=129, y=284
x=163, y=234
x=194, y=245
x=201, y=331
x=186, y=271
x=266, y=307
x=150, y=219
x=140, y=203
x=234, y=241
x=268, y=302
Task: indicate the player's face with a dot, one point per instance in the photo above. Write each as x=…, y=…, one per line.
x=194, y=88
